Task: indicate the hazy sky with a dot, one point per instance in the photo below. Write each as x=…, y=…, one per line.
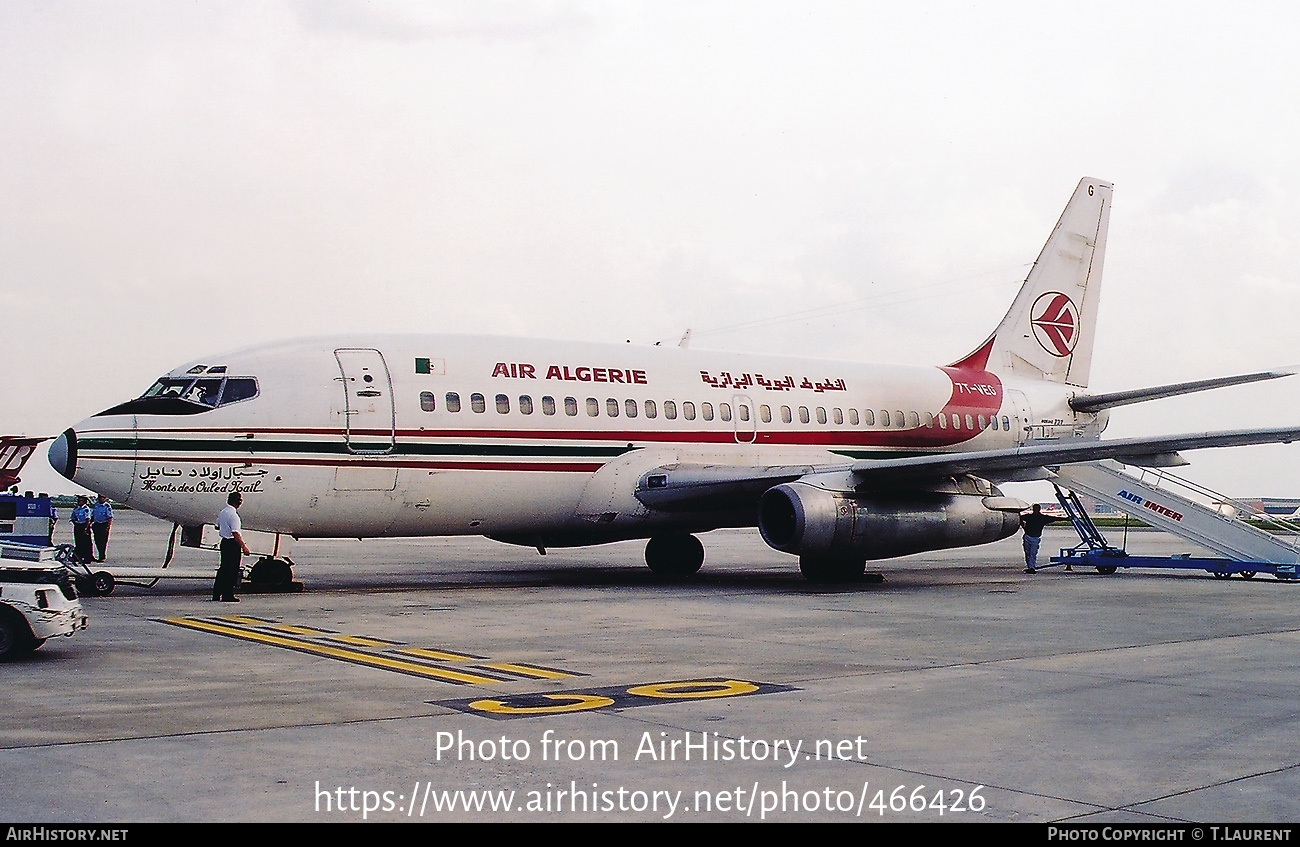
x=182, y=178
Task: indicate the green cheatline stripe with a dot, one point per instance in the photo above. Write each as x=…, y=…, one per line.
x=336, y=448
x=341, y=449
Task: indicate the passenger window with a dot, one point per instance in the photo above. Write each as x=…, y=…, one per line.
x=453, y=402
x=724, y=411
x=611, y=407
x=884, y=417
x=913, y=419
x=570, y=406
x=821, y=415
x=803, y=414
x=993, y=422
x=629, y=408
x=1006, y=424
x=688, y=410
x=593, y=407
x=898, y=418
x=650, y=410
x=670, y=410
x=548, y=406
x=525, y=404
x=785, y=414
x=706, y=411
x=943, y=421
x=743, y=412
x=765, y=413
x=837, y=416
x=868, y=417
x=477, y=403
x=503, y=404
x=981, y=419
x=853, y=417
x=426, y=401
x=970, y=422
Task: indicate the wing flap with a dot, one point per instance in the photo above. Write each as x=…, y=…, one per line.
x=687, y=487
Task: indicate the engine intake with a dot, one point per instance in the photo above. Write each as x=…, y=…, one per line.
x=809, y=521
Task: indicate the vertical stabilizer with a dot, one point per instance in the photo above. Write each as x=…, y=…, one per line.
x=1048, y=332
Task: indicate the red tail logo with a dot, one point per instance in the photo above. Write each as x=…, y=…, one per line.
x=1055, y=320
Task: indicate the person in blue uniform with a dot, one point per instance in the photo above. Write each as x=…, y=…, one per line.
x=81, y=530
x=101, y=518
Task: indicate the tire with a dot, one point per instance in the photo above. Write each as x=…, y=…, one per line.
x=1248, y=574
x=828, y=569
x=677, y=554
x=15, y=635
x=268, y=571
x=103, y=583
x=1222, y=574
x=1106, y=570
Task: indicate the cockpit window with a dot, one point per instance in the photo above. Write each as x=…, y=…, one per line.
x=188, y=395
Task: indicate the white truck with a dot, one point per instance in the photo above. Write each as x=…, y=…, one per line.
x=36, y=602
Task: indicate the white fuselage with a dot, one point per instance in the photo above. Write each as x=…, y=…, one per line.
x=438, y=435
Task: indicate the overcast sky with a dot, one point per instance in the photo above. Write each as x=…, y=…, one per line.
x=852, y=180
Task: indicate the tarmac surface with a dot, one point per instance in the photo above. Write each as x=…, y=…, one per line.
x=427, y=680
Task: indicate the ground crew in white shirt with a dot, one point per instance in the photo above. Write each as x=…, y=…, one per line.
x=232, y=548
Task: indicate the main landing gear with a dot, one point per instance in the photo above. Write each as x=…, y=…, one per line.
x=824, y=569
x=674, y=554
x=271, y=575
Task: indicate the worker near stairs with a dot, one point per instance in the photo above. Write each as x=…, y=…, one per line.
x=1033, y=524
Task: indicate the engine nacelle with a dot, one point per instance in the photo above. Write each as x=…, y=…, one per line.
x=809, y=521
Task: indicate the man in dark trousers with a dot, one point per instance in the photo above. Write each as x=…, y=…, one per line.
x=232, y=549
x=1033, y=524
x=81, y=530
x=101, y=519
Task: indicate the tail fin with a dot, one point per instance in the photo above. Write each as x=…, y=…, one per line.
x=1048, y=332
x=15, y=450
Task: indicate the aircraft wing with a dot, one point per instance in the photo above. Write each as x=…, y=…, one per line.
x=683, y=487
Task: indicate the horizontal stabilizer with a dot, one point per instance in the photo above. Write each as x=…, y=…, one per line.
x=1097, y=402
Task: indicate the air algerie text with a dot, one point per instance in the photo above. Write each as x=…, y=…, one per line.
x=571, y=373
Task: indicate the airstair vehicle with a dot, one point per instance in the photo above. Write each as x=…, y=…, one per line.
x=1266, y=544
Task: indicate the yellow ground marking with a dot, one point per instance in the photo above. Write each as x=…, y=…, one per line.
x=440, y=655
x=362, y=641
x=576, y=703
x=382, y=662
x=296, y=630
x=528, y=670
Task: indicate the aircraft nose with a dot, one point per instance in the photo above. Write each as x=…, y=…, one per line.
x=63, y=454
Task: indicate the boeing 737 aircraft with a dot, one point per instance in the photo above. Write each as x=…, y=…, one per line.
x=561, y=444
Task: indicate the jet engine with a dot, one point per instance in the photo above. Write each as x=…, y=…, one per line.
x=821, y=524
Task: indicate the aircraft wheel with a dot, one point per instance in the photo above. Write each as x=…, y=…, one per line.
x=1222, y=575
x=268, y=571
x=103, y=583
x=677, y=554
x=1248, y=574
x=1106, y=569
x=824, y=569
